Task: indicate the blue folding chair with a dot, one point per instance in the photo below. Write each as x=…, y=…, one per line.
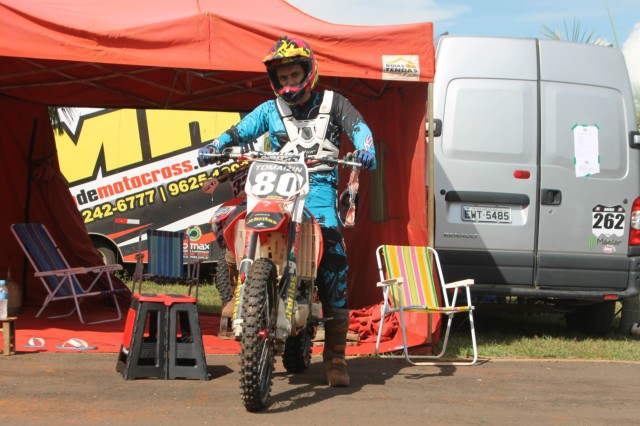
x=59, y=279
x=165, y=260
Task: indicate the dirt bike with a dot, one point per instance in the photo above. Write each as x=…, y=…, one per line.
x=277, y=245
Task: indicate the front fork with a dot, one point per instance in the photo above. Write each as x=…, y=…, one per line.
x=286, y=293
x=243, y=273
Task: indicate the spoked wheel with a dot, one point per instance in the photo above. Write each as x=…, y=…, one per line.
x=257, y=355
x=297, y=350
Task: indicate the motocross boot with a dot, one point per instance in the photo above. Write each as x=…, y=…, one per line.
x=335, y=343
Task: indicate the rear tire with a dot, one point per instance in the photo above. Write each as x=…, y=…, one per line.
x=595, y=319
x=223, y=284
x=257, y=357
x=297, y=351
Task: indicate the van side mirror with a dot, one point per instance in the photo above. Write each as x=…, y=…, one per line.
x=634, y=139
x=437, y=127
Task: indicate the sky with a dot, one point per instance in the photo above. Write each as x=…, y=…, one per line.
x=520, y=18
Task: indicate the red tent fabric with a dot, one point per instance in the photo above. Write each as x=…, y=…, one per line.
x=203, y=54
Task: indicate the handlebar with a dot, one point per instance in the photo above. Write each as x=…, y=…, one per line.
x=235, y=154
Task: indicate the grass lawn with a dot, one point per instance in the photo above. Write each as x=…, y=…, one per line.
x=499, y=334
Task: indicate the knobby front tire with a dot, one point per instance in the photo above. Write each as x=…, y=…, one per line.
x=257, y=355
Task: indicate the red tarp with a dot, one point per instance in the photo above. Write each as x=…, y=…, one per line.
x=206, y=54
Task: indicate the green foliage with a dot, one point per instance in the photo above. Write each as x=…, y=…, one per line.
x=613, y=29
x=575, y=34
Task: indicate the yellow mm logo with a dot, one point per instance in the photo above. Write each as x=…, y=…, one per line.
x=121, y=139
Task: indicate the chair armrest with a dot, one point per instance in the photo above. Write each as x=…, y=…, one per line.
x=70, y=271
x=390, y=281
x=462, y=283
x=80, y=270
x=105, y=268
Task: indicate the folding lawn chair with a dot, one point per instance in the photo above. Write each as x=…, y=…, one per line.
x=165, y=260
x=412, y=281
x=59, y=279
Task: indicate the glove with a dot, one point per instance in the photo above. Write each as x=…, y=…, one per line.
x=366, y=158
x=203, y=152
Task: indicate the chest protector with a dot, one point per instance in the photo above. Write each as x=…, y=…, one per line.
x=309, y=135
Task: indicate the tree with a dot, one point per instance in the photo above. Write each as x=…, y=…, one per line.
x=575, y=34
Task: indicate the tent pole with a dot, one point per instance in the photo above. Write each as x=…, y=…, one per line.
x=27, y=204
x=430, y=173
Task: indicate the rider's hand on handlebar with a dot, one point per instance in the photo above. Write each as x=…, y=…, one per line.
x=203, y=155
x=365, y=158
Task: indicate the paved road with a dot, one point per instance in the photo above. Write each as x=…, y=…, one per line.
x=84, y=388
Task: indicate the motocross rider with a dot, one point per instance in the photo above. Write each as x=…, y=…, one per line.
x=302, y=119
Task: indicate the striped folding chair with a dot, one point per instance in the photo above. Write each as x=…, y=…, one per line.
x=411, y=281
x=59, y=279
x=165, y=260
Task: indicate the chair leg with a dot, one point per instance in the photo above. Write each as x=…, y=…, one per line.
x=434, y=359
x=113, y=296
x=137, y=277
x=115, y=301
x=444, y=348
x=473, y=337
x=192, y=284
x=380, y=328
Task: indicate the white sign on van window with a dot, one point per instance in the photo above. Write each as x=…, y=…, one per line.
x=587, y=155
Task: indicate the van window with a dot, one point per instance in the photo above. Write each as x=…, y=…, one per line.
x=566, y=105
x=490, y=120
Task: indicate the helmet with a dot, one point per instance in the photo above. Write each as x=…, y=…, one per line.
x=292, y=51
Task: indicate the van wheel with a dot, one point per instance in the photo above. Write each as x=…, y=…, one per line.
x=595, y=319
x=107, y=253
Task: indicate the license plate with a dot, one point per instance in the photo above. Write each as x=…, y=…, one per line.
x=486, y=214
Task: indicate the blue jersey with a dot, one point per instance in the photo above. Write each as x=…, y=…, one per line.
x=321, y=200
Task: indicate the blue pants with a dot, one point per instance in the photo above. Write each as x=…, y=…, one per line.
x=332, y=274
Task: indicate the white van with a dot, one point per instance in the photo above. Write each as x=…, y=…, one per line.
x=537, y=173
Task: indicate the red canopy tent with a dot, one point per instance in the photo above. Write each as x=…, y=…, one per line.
x=203, y=54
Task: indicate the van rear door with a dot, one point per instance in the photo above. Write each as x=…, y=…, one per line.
x=588, y=181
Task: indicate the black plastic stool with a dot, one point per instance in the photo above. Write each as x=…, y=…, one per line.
x=162, y=338
x=144, y=343
x=186, y=358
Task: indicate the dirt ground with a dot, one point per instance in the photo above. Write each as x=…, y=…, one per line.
x=83, y=388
